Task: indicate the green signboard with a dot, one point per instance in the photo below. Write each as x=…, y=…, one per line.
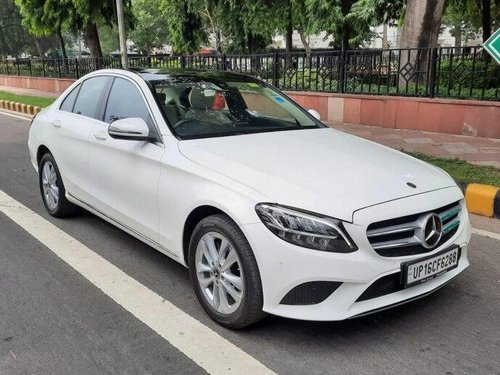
x=492, y=45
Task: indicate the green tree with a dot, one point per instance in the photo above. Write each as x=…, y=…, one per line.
x=469, y=17
x=108, y=37
x=382, y=12
x=14, y=37
x=184, y=26
x=488, y=8
x=53, y=17
x=240, y=26
x=255, y=27
x=87, y=15
x=348, y=21
x=150, y=27
x=212, y=21
x=302, y=21
x=46, y=18
x=464, y=19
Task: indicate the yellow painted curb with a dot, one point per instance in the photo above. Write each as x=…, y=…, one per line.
x=20, y=107
x=480, y=199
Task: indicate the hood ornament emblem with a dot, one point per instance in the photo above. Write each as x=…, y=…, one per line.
x=412, y=185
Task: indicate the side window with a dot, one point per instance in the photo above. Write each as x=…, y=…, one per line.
x=69, y=101
x=89, y=98
x=126, y=101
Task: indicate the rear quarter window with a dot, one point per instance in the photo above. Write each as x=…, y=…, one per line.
x=69, y=101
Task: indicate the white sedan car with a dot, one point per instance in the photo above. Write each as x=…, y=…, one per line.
x=272, y=211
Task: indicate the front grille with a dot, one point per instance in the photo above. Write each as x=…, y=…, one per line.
x=397, y=237
x=310, y=293
x=383, y=286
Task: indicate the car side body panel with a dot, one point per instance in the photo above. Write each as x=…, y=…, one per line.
x=185, y=186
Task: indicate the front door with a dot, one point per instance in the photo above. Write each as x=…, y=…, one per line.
x=124, y=174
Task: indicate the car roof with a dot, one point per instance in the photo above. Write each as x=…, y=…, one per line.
x=173, y=74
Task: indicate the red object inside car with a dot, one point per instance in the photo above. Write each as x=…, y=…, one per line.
x=219, y=102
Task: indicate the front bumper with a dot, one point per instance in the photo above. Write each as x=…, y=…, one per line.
x=284, y=266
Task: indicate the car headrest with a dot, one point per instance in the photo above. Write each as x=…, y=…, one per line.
x=162, y=97
x=201, y=98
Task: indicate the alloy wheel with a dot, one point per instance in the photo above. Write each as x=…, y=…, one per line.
x=219, y=273
x=49, y=185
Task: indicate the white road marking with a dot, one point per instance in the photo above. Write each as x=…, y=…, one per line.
x=205, y=347
x=486, y=233
x=16, y=116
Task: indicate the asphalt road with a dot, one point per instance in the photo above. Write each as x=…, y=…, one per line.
x=55, y=321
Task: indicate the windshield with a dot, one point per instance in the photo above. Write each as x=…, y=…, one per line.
x=196, y=107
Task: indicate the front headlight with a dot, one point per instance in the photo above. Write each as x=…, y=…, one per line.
x=305, y=229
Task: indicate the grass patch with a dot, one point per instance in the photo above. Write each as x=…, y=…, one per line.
x=463, y=171
x=26, y=99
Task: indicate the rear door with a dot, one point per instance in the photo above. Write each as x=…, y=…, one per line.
x=124, y=174
x=72, y=125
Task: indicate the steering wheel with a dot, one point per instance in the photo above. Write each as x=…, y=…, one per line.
x=179, y=124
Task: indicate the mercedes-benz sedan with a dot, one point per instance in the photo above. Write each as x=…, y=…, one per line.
x=272, y=211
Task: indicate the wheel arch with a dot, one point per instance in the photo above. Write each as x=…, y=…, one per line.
x=196, y=215
x=42, y=150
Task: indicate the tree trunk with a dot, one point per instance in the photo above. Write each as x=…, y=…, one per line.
x=307, y=47
x=486, y=19
x=345, y=41
x=61, y=43
x=91, y=38
x=457, y=34
x=420, y=30
x=289, y=41
x=422, y=22
x=218, y=44
x=304, y=41
x=385, y=43
x=40, y=49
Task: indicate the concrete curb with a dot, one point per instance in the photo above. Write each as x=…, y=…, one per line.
x=20, y=107
x=482, y=199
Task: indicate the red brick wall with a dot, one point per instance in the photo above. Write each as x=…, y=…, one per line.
x=37, y=83
x=468, y=117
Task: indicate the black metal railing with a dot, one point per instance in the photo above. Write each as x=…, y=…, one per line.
x=447, y=72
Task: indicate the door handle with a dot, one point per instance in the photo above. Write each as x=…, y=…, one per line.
x=56, y=123
x=101, y=135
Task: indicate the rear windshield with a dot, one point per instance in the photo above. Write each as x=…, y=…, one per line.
x=197, y=108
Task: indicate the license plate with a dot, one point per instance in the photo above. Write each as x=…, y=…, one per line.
x=422, y=270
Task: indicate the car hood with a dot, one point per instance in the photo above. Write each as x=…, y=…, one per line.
x=320, y=170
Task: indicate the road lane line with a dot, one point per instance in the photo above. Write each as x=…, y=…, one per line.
x=486, y=233
x=12, y=115
x=204, y=346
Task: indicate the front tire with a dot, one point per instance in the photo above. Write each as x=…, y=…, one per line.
x=52, y=188
x=224, y=273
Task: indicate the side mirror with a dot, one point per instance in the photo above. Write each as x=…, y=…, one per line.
x=132, y=128
x=314, y=113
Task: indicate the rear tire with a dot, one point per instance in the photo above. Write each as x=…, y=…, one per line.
x=224, y=273
x=52, y=188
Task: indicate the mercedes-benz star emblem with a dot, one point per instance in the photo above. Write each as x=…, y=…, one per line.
x=431, y=230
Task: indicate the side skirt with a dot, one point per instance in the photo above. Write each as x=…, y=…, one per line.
x=148, y=241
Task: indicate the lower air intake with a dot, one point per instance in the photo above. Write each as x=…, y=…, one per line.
x=383, y=286
x=310, y=293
